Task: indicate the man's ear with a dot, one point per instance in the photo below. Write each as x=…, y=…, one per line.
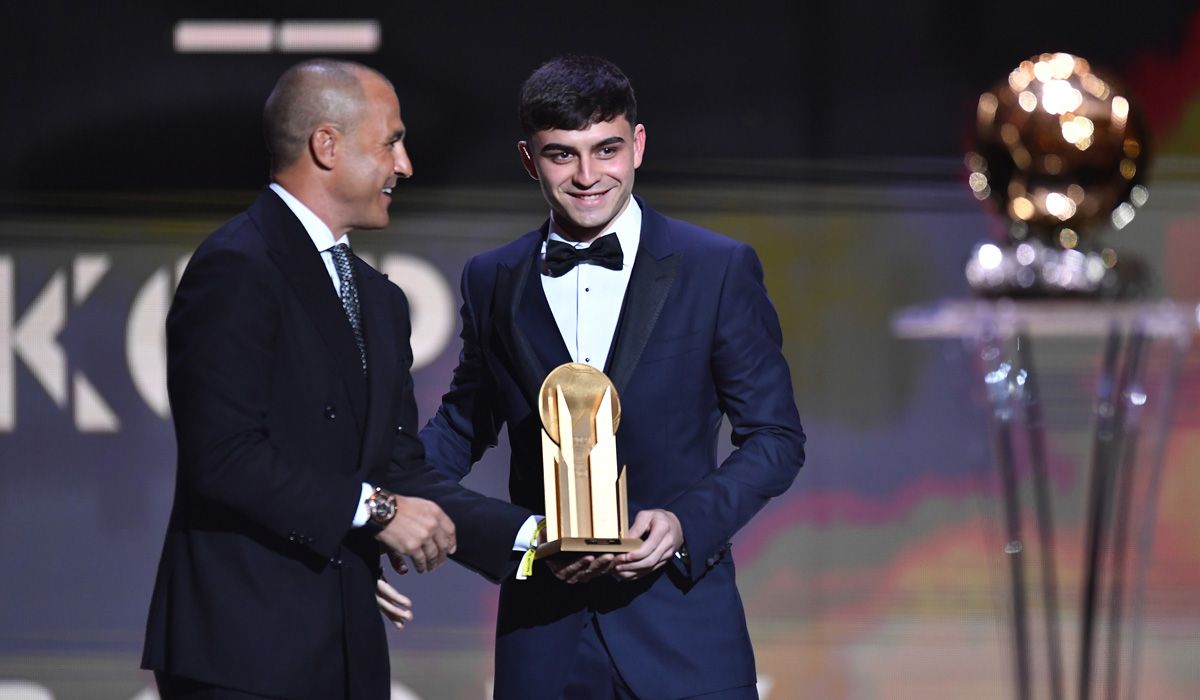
x=639, y=145
x=323, y=144
x=527, y=159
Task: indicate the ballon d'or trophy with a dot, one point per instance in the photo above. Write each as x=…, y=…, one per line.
x=587, y=510
x=1061, y=150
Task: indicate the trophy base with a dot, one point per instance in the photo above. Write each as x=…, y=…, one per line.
x=588, y=545
x=1032, y=269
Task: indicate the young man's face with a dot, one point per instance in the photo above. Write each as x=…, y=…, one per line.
x=587, y=175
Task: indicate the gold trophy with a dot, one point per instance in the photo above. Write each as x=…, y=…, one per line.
x=587, y=510
x=1060, y=149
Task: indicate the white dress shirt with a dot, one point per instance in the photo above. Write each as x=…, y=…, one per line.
x=317, y=230
x=586, y=301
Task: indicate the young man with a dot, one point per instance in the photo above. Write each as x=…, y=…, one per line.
x=288, y=372
x=679, y=319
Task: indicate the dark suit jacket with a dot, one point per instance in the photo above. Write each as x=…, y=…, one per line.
x=698, y=339
x=263, y=586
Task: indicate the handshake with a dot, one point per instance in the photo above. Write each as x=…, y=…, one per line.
x=412, y=527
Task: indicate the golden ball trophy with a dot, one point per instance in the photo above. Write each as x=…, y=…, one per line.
x=1060, y=149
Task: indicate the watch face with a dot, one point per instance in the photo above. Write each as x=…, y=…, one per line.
x=383, y=508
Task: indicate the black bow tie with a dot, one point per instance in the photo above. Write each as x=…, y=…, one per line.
x=561, y=257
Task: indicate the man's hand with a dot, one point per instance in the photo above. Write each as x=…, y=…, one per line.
x=580, y=569
x=398, y=564
x=420, y=530
x=394, y=605
x=663, y=537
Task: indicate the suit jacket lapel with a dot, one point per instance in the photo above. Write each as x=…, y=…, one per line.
x=294, y=253
x=653, y=274
x=536, y=320
x=524, y=322
x=379, y=325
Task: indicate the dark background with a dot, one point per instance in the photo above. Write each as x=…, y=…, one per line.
x=95, y=98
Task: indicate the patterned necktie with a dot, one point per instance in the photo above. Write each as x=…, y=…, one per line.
x=345, y=270
x=562, y=257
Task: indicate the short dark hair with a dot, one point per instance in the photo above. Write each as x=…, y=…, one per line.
x=572, y=92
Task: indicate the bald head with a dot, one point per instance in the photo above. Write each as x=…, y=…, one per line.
x=307, y=95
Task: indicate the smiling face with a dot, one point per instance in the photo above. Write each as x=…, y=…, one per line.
x=586, y=175
x=370, y=158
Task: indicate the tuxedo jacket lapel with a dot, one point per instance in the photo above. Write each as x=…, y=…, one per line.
x=530, y=334
x=525, y=323
x=654, y=270
x=293, y=251
x=537, y=321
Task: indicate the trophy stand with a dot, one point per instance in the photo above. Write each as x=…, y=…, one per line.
x=1138, y=350
x=1061, y=151
x=587, y=510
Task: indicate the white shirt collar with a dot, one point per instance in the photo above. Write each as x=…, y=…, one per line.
x=320, y=234
x=627, y=226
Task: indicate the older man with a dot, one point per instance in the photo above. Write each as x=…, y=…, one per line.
x=288, y=371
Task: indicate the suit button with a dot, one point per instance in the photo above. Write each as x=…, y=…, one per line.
x=399, y=429
x=330, y=414
x=335, y=562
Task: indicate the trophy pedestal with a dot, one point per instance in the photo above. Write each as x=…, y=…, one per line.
x=1132, y=355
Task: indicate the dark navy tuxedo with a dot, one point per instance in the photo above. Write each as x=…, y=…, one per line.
x=697, y=340
x=263, y=586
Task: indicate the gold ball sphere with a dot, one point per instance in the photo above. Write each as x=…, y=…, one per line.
x=1059, y=147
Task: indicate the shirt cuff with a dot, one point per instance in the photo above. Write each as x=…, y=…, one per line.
x=361, y=515
x=524, y=539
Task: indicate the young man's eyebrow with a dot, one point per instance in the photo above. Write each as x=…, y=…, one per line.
x=610, y=141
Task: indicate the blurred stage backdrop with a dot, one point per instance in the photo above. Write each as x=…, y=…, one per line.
x=830, y=135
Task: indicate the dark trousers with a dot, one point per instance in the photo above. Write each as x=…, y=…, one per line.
x=593, y=675
x=178, y=688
